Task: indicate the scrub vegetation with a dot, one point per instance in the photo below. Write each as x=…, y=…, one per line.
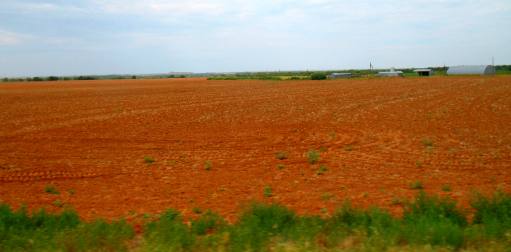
x=428, y=223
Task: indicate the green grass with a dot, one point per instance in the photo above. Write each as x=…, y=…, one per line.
x=417, y=185
x=169, y=233
x=322, y=169
x=51, y=189
x=58, y=203
x=428, y=143
x=41, y=231
x=446, y=188
x=494, y=215
x=428, y=223
x=348, y=147
x=208, y=165
x=267, y=191
x=281, y=155
x=196, y=210
x=326, y=196
x=313, y=156
x=149, y=160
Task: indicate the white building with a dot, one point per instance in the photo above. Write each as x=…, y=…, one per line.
x=391, y=73
x=339, y=75
x=474, y=70
x=424, y=72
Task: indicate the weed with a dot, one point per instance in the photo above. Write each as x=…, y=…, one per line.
x=169, y=233
x=313, y=156
x=435, y=221
x=208, y=165
x=494, y=213
x=71, y=191
x=323, y=149
x=348, y=147
x=51, y=189
x=258, y=224
x=58, y=203
x=281, y=166
x=148, y=160
x=428, y=223
x=332, y=135
x=267, y=191
x=208, y=222
x=446, y=187
x=326, y=196
x=41, y=231
x=416, y=185
x=427, y=142
x=418, y=164
x=322, y=169
x=396, y=201
x=197, y=210
x=281, y=155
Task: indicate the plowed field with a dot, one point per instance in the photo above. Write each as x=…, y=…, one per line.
x=375, y=136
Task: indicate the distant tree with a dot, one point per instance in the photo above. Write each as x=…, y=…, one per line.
x=5, y=79
x=85, y=78
x=318, y=76
x=53, y=78
x=133, y=77
x=172, y=76
x=182, y=76
x=37, y=79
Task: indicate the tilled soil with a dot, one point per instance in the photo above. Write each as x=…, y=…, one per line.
x=375, y=136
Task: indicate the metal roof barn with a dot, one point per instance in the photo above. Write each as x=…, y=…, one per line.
x=391, y=73
x=465, y=70
x=339, y=75
x=424, y=72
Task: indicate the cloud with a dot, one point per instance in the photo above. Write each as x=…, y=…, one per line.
x=159, y=7
x=10, y=38
x=43, y=7
x=204, y=35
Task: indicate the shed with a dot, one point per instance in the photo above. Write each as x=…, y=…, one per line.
x=339, y=75
x=391, y=73
x=476, y=70
x=424, y=72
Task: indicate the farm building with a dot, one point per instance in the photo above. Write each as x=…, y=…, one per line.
x=479, y=70
x=339, y=75
x=424, y=72
x=391, y=73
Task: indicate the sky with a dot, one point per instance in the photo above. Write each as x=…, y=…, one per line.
x=81, y=37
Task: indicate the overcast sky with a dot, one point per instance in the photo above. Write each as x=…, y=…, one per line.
x=72, y=37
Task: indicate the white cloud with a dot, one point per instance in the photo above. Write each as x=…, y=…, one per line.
x=10, y=38
x=159, y=7
x=42, y=7
x=259, y=34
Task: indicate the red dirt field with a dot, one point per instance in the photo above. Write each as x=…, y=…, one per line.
x=89, y=139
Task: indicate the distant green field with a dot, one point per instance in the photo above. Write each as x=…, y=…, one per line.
x=428, y=224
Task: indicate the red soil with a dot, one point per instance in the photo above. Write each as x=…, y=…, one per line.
x=89, y=139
